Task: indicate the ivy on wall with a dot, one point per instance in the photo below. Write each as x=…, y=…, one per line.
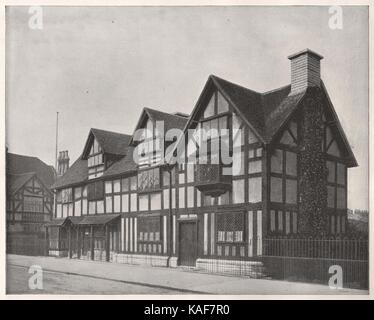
x=313, y=187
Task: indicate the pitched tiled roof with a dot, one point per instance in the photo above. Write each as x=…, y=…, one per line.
x=279, y=115
x=56, y=222
x=98, y=219
x=16, y=181
x=112, y=142
x=63, y=221
x=265, y=113
x=20, y=164
x=172, y=121
x=77, y=173
x=247, y=101
x=122, y=166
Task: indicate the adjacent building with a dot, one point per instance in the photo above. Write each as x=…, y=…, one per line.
x=29, y=200
x=145, y=198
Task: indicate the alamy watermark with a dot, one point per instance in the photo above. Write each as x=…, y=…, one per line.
x=336, y=280
x=201, y=145
x=36, y=280
x=36, y=18
x=336, y=18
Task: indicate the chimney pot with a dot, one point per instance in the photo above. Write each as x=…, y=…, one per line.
x=63, y=162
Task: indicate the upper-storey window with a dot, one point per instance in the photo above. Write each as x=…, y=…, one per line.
x=64, y=203
x=33, y=204
x=67, y=195
x=217, y=105
x=95, y=161
x=149, y=180
x=149, y=151
x=213, y=127
x=95, y=191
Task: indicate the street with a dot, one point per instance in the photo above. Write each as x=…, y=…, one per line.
x=73, y=276
x=61, y=283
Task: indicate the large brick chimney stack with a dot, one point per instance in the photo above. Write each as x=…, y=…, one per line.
x=305, y=70
x=306, y=76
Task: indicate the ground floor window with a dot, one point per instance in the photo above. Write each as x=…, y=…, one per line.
x=149, y=235
x=283, y=222
x=337, y=223
x=230, y=234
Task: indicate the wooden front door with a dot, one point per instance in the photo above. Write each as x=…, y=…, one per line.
x=187, y=243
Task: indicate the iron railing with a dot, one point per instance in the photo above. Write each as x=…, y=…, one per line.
x=291, y=259
x=295, y=259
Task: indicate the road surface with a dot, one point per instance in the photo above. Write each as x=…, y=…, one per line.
x=64, y=283
x=73, y=276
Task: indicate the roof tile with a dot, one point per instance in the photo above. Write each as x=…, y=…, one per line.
x=20, y=164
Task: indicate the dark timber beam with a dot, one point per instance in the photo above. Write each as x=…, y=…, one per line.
x=92, y=243
x=107, y=246
x=78, y=243
x=46, y=239
x=69, y=243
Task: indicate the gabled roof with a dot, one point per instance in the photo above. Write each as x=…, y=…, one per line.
x=278, y=114
x=110, y=142
x=16, y=181
x=83, y=220
x=339, y=126
x=171, y=121
x=17, y=164
x=265, y=113
x=60, y=222
x=77, y=173
x=246, y=101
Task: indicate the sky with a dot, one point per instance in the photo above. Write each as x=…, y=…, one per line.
x=99, y=66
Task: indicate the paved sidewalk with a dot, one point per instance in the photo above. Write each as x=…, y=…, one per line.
x=176, y=279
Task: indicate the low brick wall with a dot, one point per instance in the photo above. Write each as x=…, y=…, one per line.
x=137, y=259
x=355, y=273
x=58, y=253
x=252, y=269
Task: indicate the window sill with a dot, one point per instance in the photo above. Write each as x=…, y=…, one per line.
x=150, y=242
x=231, y=242
x=150, y=191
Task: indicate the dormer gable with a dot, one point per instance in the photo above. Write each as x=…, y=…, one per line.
x=102, y=149
x=149, y=135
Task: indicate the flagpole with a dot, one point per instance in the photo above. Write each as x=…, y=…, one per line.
x=56, y=142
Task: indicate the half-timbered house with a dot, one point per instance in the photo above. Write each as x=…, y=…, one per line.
x=29, y=201
x=124, y=199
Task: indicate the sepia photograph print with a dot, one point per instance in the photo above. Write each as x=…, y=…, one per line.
x=187, y=150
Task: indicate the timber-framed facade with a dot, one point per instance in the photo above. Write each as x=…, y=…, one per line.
x=288, y=177
x=29, y=202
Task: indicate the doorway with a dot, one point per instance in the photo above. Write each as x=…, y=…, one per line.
x=187, y=243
